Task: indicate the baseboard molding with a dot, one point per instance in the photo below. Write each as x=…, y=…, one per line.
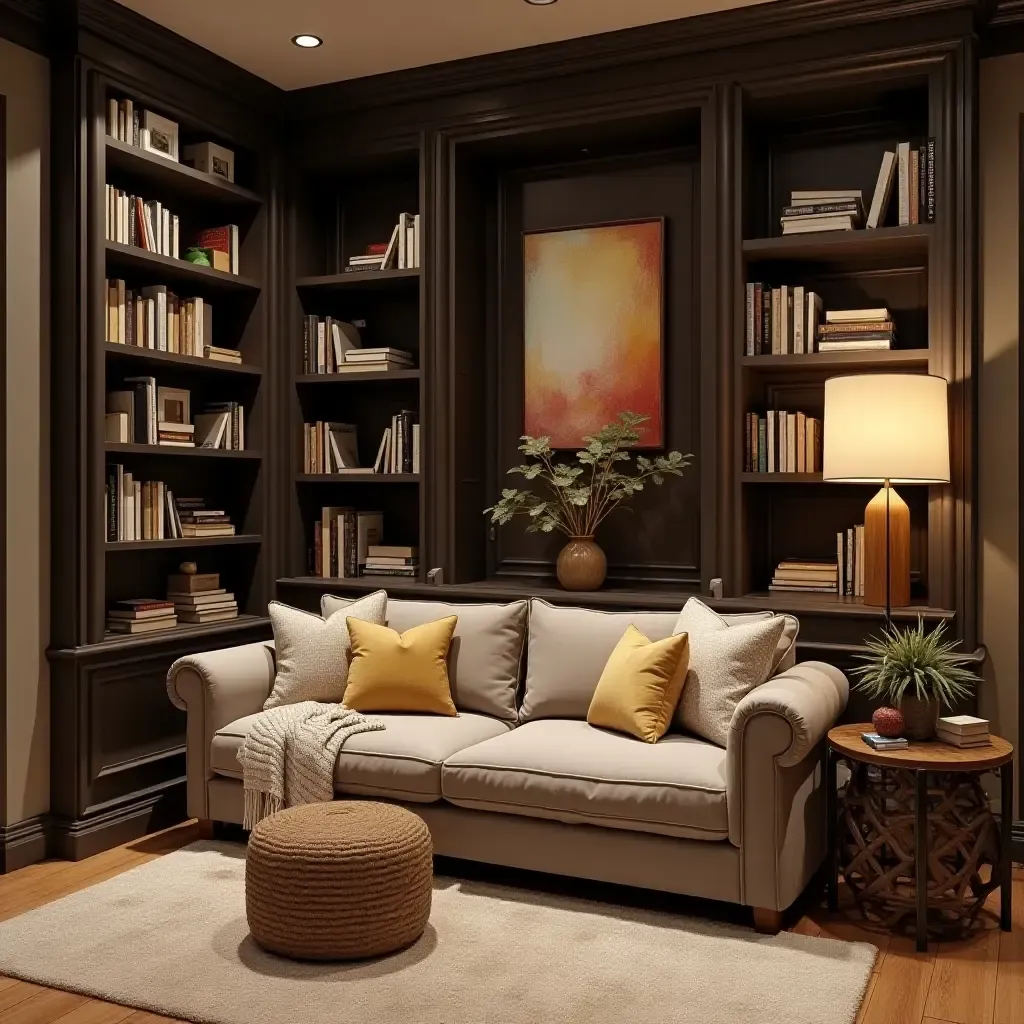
x=76, y=840
x=23, y=843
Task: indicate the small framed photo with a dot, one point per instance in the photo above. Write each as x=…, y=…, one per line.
x=173, y=406
x=159, y=135
x=211, y=159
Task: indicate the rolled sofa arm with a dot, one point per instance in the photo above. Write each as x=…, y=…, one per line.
x=216, y=688
x=774, y=780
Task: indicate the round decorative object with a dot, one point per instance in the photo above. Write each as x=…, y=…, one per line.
x=581, y=564
x=198, y=257
x=920, y=718
x=338, y=881
x=188, y=568
x=888, y=722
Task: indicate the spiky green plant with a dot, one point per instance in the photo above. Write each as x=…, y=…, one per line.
x=581, y=496
x=910, y=662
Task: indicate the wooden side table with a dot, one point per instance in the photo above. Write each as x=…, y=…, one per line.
x=914, y=831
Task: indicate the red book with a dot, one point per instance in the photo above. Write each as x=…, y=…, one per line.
x=141, y=604
x=377, y=249
x=215, y=238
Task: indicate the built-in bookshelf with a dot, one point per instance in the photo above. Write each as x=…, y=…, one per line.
x=342, y=313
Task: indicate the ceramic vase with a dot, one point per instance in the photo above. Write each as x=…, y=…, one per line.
x=581, y=564
x=920, y=717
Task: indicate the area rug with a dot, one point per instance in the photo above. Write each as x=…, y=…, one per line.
x=171, y=937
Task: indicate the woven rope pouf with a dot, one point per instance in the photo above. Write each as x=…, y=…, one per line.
x=338, y=881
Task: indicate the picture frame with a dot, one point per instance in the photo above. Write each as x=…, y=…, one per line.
x=210, y=158
x=173, y=406
x=594, y=329
x=159, y=135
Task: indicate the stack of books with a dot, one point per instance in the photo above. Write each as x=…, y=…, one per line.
x=222, y=355
x=342, y=539
x=781, y=321
x=331, y=448
x=963, y=731
x=362, y=360
x=194, y=519
x=199, y=598
x=782, y=442
x=856, y=330
x=850, y=556
x=879, y=742
x=806, y=577
x=400, y=252
x=392, y=560
x=399, y=450
x=141, y=615
x=823, y=210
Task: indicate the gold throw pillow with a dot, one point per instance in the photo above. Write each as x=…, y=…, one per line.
x=640, y=686
x=408, y=671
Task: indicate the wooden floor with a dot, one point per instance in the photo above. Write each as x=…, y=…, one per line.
x=980, y=981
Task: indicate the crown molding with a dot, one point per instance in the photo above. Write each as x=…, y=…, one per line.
x=706, y=32
x=24, y=22
x=1009, y=12
x=1005, y=32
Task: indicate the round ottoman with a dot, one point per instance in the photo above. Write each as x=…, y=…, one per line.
x=338, y=881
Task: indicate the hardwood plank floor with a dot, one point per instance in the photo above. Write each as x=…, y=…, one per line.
x=977, y=981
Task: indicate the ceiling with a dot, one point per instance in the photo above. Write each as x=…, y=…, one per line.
x=367, y=37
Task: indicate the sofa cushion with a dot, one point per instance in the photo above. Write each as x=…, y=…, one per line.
x=403, y=762
x=486, y=652
x=569, y=771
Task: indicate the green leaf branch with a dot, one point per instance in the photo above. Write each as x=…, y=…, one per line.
x=579, y=497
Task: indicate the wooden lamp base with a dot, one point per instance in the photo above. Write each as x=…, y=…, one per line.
x=899, y=550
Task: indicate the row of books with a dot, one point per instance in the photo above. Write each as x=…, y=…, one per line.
x=191, y=599
x=400, y=252
x=131, y=220
x=148, y=414
x=782, y=442
x=335, y=346
x=148, y=510
x=330, y=448
x=399, y=450
x=782, y=320
x=341, y=540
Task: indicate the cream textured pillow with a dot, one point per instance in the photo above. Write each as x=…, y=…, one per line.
x=313, y=653
x=726, y=663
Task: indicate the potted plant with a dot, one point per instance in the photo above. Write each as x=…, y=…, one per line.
x=581, y=494
x=916, y=672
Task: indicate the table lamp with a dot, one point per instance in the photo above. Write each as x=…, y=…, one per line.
x=886, y=428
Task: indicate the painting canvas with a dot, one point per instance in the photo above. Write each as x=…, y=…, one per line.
x=594, y=330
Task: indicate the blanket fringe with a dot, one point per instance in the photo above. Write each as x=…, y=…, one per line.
x=259, y=805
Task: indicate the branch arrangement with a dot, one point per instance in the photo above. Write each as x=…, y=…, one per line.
x=581, y=496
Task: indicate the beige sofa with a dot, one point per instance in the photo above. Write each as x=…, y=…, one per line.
x=520, y=779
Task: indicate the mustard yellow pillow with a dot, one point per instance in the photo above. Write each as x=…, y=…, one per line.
x=640, y=686
x=392, y=671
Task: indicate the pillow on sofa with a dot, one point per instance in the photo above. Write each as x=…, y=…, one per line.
x=313, y=653
x=726, y=663
x=567, y=652
x=393, y=671
x=486, y=654
x=639, y=688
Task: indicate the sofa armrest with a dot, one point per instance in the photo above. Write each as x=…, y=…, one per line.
x=216, y=688
x=774, y=780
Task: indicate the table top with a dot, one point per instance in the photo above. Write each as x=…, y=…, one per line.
x=933, y=754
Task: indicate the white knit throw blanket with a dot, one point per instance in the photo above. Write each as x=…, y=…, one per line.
x=289, y=754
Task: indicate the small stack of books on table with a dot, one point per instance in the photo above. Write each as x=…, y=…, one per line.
x=391, y=560
x=199, y=598
x=829, y=210
x=806, y=577
x=141, y=615
x=856, y=330
x=879, y=742
x=963, y=731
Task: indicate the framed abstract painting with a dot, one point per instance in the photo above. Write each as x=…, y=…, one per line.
x=594, y=330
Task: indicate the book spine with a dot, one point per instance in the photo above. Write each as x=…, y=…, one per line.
x=766, y=321
x=930, y=182
x=799, y=319
x=903, y=182
x=852, y=206
x=762, y=445
x=113, y=503
x=771, y=429
x=351, y=547
x=749, y=347
x=922, y=184
x=776, y=322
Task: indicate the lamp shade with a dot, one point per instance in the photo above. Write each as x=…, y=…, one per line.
x=886, y=426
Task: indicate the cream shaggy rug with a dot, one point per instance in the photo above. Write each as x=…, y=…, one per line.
x=170, y=936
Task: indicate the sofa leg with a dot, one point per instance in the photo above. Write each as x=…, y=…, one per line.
x=767, y=922
x=206, y=828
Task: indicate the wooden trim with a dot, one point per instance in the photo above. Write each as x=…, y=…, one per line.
x=23, y=843
x=23, y=22
x=3, y=460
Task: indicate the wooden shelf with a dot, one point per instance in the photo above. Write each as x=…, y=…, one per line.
x=905, y=242
x=184, y=632
x=161, y=450
x=361, y=279
x=170, y=269
x=183, y=542
x=834, y=604
x=352, y=378
x=905, y=359
x=134, y=353
x=183, y=180
x=357, y=478
x=781, y=478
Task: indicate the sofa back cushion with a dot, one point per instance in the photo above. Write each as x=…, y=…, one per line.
x=486, y=650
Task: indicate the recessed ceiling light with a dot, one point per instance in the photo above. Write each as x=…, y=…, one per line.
x=540, y=3
x=306, y=41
